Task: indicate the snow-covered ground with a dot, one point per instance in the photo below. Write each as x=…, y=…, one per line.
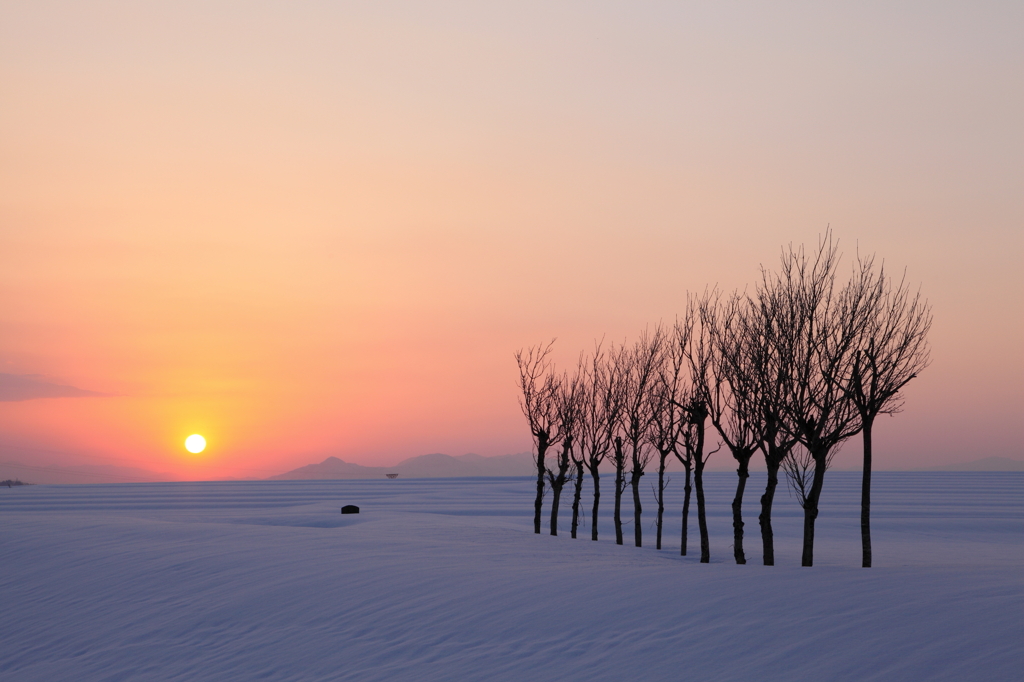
x=443, y=579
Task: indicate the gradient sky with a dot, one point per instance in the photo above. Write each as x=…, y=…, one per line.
x=319, y=228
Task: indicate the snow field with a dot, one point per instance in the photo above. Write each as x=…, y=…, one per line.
x=443, y=579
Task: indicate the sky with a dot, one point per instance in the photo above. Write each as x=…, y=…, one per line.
x=313, y=229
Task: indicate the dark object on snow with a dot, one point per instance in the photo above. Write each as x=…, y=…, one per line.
x=350, y=509
x=391, y=475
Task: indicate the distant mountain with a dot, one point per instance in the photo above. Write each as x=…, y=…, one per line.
x=84, y=473
x=332, y=467
x=435, y=465
x=984, y=464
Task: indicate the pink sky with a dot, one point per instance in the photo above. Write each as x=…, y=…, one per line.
x=308, y=230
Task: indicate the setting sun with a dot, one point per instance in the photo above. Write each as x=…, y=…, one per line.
x=195, y=443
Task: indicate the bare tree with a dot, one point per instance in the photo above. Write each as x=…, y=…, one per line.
x=601, y=406
x=815, y=345
x=568, y=393
x=577, y=455
x=644, y=358
x=761, y=326
x=539, y=388
x=890, y=350
x=623, y=368
x=578, y=462
x=667, y=422
x=728, y=390
x=686, y=440
x=696, y=349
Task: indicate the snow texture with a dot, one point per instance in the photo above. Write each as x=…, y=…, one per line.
x=445, y=580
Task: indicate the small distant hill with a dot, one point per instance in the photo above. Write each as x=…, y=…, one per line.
x=83, y=473
x=984, y=464
x=332, y=467
x=434, y=465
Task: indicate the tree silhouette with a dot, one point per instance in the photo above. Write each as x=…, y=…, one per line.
x=792, y=369
x=728, y=389
x=539, y=403
x=814, y=345
x=761, y=325
x=890, y=350
x=567, y=396
x=601, y=406
x=642, y=362
x=696, y=348
x=667, y=423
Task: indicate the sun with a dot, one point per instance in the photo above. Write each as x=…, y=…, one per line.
x=195, y=443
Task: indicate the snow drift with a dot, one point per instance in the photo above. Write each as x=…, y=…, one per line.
x=445, y=580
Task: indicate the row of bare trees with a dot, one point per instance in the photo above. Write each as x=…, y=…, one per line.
x=791, y=369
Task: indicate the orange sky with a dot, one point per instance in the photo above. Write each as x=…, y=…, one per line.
x=307, y=230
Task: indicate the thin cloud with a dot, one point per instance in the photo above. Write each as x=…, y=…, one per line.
x=18, y=387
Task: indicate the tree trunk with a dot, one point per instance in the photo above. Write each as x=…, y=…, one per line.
x=702, y=519
x=698, y=481
x=811, y=509
x=556, y=495
x=597, y=501
x=737, y=512
x=619, y=486
x=538, y=503
x=765, y=519
x=637, y=509
x=865, y=495
x=577, y=493
x=686, y=512
x=661, y=499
